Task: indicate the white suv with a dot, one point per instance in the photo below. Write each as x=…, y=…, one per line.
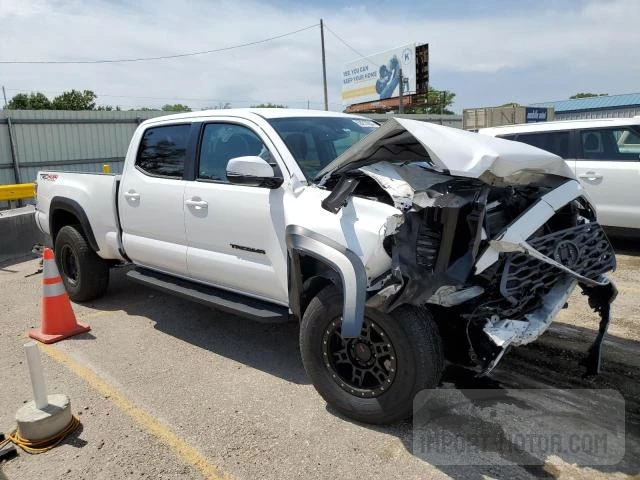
x=605, y=156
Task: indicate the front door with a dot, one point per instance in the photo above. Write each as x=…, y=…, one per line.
x=235, y=233
x=609, y=169
x=151, y=201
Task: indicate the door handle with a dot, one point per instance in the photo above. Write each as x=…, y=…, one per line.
x=197, y=204
x=591, y=176
x=131, y=195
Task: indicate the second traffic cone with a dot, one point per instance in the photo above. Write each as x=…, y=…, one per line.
x=58, y=319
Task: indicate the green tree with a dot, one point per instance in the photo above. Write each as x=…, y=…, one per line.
x=439, y=101
x=435, y=102
x=178, y=107
x=220, y=106
x=587, y=95
x=75, y=100
x=268, y=105
x=107, y=108
x=31, y=101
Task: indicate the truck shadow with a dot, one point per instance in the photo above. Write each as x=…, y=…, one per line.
x=272, y=348
x=541, y=365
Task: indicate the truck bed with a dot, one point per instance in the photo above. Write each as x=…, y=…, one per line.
x=91, y=197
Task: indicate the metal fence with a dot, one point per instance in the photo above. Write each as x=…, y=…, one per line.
x=83, y=141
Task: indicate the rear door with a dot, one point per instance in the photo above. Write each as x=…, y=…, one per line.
x=609, y=169
x=151, y=200
x=235, y=233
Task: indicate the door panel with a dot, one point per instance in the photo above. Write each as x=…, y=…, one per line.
x=610, y=173
x=235, y=233
x=234, y=243
x=151, y=201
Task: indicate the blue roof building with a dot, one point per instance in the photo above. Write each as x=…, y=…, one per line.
x=607, y=106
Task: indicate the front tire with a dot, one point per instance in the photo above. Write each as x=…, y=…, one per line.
x=375, y=377
x=84, y=273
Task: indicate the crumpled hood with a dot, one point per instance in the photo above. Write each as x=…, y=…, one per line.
x=448, y=150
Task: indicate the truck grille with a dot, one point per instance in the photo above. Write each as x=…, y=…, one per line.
x=584, y=249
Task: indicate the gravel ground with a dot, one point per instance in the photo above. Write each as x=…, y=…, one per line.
x=233, y=393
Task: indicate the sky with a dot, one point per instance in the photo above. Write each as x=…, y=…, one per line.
x=488, y=53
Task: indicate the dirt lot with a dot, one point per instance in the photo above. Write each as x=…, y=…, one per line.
x=167, y=388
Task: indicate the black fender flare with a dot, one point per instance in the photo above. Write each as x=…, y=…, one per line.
x=73, y=207
x=339, y=258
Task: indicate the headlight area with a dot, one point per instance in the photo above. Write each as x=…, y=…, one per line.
x=496, y=264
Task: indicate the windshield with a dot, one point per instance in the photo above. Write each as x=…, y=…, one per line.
x=316, y=141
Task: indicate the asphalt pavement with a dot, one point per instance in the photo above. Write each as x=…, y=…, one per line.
x=167, y=388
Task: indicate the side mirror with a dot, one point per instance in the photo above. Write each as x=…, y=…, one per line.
x=252, y=171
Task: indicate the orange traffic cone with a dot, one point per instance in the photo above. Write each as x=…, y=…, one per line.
x=58, y=319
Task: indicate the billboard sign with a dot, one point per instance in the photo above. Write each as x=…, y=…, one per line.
x=377, y=77
x=536, y=114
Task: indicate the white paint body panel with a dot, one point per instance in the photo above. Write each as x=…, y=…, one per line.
x=613, y=187
x=153, y=231
x=97, y=195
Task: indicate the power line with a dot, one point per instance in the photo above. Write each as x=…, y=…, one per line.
x=164, y=57
x=347, y=45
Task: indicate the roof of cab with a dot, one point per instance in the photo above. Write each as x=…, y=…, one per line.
x=559, y=125
x=267, y=113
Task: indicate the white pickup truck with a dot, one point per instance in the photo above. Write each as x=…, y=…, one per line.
x=394, y=246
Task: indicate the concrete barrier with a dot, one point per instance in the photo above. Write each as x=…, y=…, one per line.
x=18, y=232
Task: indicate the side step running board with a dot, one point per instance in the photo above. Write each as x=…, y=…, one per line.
x=219, y=299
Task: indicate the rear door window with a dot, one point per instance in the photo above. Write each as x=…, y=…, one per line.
x=554, y=142
x=615, y=144
x=162, y=151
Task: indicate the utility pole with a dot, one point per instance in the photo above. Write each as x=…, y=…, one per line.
x=4, y=94
x=400, y=99
x=324, y=67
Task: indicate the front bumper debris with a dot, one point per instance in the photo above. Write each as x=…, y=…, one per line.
x=600, y=299
x=584, y=252
x=581, y=255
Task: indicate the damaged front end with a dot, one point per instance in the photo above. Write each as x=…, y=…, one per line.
x=493, y=254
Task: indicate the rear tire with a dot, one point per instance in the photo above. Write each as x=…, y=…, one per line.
x=414, y=359
x=84, y=273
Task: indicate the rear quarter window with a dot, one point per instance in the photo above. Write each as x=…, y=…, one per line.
x=554, y=142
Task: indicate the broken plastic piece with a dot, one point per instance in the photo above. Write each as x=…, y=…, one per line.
x=600, y=299
x=340, y=194
x=448, y=296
